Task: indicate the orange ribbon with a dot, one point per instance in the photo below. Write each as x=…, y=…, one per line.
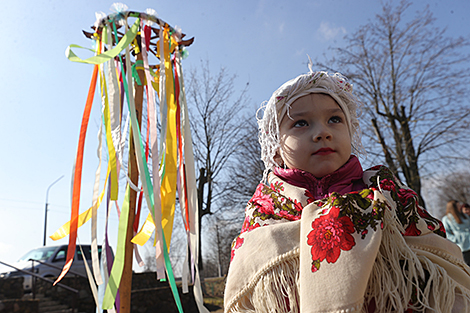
x=77, y=177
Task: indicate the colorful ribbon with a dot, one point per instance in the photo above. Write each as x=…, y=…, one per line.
x=172, y=159
x=77, y=177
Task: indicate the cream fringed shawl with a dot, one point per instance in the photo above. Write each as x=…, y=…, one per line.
x=344, y=252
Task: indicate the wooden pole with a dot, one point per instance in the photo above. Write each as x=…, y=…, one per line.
x=125, y=287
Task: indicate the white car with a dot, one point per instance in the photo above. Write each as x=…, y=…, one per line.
x=54, y=256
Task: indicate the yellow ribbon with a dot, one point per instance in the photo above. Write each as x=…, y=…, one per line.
x=64, y=230
x=168, y=187
x=145, y=232
x=109, y=140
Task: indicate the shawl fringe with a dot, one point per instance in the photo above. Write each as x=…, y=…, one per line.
x=274, y=288
x=399, y=274
x=403, y=276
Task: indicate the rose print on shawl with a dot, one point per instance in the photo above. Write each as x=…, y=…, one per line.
x=248, y=225
x=408, y=210
x=412, y=230
x=329, y=235
x=263, y=201
x=342, y=216
x=237, y=243
x=431, y=226
x=268, y=205
x=275, y=204
x=387, y=184
x=406, y=196
x=310, y=197
x=277, y=186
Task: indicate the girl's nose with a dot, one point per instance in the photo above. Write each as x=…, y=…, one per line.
x=321, y=133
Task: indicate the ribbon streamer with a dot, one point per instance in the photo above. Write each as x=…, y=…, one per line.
x=108, y=55
x=118, y=264
x=165, y=160
x=84, y=217
x=78, y=176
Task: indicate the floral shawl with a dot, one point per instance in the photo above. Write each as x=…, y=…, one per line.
x=370, y=250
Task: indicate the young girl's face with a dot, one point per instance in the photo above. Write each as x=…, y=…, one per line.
x=316, y=139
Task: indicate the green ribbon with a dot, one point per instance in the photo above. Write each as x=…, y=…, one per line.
x=107, y=55
x=118, y=264
x=135, y=75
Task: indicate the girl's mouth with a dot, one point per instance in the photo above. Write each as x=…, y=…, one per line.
x=323, y=151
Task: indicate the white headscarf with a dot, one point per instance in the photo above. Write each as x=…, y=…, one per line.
x=278, y=106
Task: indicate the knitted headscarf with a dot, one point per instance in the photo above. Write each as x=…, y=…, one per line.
x=278, y=106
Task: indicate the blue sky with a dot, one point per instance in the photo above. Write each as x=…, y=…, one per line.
x=263, y=42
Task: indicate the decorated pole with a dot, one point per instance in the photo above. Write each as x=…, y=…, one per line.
x=160, y=163
x=126, y=282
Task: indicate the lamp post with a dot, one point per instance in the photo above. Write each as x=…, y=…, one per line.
x=45, y=216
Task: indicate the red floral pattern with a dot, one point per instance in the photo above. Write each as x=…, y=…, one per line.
x=344, y=218
x=263, y=201
x=406, y=196
x=387, y=184
x=268, y=204
x=247, y=226
x=309, y=195
x=412, y=230
x=236, y=244
x=277, y=186
x=329, y=235
x=408, y=210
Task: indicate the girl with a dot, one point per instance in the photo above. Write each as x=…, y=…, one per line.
x=322, y=235
x=457, y=225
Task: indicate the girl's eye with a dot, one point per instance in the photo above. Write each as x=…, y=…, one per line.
x=335, y=120
x=300, y=123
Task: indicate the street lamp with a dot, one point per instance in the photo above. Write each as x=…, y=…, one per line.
x=45, y=216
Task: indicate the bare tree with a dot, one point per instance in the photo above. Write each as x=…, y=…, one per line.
x=247, y=167
x=220, y=235
x=215, y=121
x=150, y=263
x=246, y=171
x=414, y=82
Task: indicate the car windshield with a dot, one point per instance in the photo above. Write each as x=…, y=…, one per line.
x=40, y=254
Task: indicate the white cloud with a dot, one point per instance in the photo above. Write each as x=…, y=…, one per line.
x=281, y=27
x=329, y=32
